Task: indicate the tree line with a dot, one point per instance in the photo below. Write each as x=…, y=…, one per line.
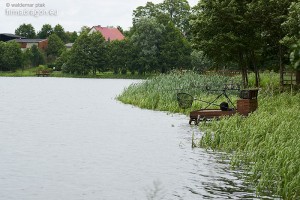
x=252, y=34
x=28, y=31
x=12, y=58
x=232, y=34
x=150, y=47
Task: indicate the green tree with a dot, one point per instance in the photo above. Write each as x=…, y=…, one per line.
x=291, y=39
x=79, y=59
x=72, y=36
x=147, y=38
x=119, y=56
x=84, y=29
x=295, y=60
x=87, y=54
x=291, y=25
x=45, y=32
x=175, y=50
x=12, y=56
x=27, y=58
x=26, y=30
x=147, y=11
x=132, y=61
x=2, y=49
x=200, y=62
x=240, y=32
x=179, y=13
x=270, y=15
x=98, y=51
x=217, y=29
x=62, y=60
x=55, y=47
x=60, y=32
x=38, y=58
x=295, y=56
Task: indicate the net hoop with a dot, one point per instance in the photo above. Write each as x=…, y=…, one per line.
x=185, y=100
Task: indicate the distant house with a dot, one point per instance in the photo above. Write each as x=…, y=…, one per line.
x=109, y=33
x=8, y=36
x=28, y=43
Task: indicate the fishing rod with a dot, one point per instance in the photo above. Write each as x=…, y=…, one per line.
x=186, y=100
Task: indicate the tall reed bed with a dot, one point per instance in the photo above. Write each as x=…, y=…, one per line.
x=266, y=144
x=159, y=93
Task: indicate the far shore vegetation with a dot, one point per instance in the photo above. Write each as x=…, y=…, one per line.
x=32, y=72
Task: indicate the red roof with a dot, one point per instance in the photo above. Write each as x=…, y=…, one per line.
x=110, y=33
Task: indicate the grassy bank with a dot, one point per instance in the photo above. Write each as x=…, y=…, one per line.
x=20, y=73
x=159, y=93
x=265, y=144
x=31, y=72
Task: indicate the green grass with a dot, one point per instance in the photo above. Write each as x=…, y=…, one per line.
x=104, y=75
x=31, y=72
x=20, y=73
x=265, y=144
x=159, y=93
x=269, y=82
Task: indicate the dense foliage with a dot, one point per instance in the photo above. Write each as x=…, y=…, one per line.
x=147, y=38
x=87, y=55
x=247, y=33
x=291, y=25
x=55, y=46
x=26, y=30
x=45, y=32
x=37, y=57
x=10, y=56
x=178, y=11
x=119, y=56
x=60, y=32
x=265, y=144
x=295, y=56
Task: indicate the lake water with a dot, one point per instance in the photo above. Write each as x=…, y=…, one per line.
x=70, y=139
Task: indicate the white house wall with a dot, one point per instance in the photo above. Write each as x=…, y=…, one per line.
x=92, y=30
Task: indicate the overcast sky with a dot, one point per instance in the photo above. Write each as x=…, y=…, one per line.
x=71, y=14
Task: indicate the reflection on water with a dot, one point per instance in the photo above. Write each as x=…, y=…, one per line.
x=70, y=139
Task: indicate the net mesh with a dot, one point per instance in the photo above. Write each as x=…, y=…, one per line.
x=185, y=100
